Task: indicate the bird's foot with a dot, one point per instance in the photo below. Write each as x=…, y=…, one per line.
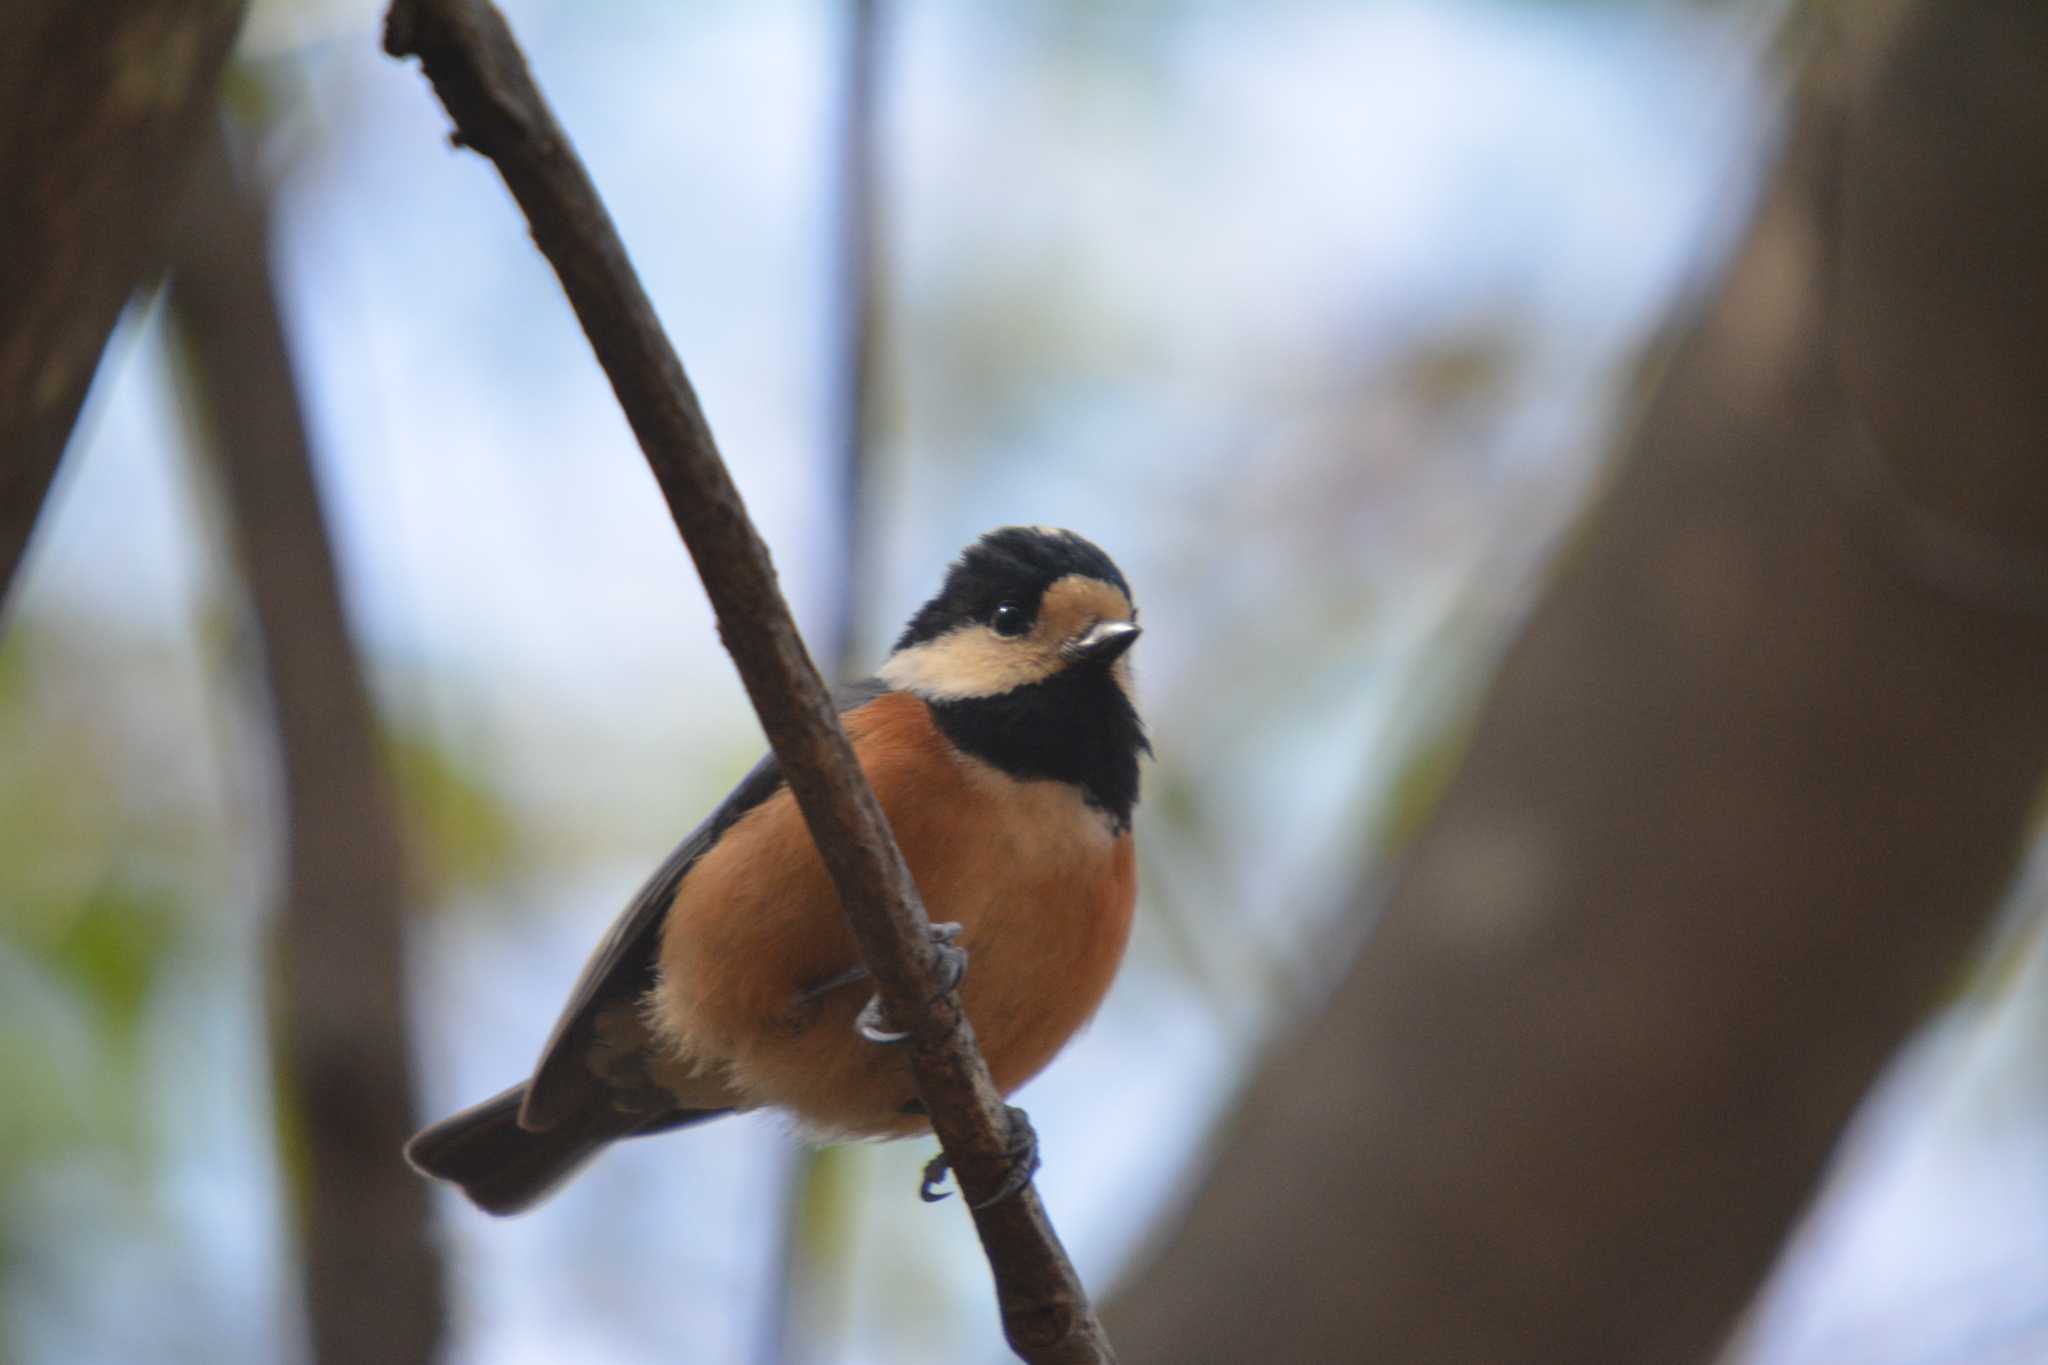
x=1022, y=1156
x=874, y=1025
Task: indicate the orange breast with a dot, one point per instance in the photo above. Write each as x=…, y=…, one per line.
x=1041, y=885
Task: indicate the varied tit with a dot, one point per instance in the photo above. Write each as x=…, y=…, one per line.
x=1001, y=739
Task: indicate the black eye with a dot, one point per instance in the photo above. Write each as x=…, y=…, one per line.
x=1008, y=619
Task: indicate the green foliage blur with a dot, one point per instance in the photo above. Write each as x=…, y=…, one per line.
x=132, y=814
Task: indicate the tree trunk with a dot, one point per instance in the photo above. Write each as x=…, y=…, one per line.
x=373, y=1277
x=101, y=104
x=1737, y=808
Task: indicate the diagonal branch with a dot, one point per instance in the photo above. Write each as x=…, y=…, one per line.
x=481, y=76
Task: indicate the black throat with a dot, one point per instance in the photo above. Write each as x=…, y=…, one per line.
x=1077, y=726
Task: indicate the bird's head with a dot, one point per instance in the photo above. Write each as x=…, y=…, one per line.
x=1021, y=656
x=1020, y=606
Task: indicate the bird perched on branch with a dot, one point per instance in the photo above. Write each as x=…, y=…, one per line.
x=1001, y=739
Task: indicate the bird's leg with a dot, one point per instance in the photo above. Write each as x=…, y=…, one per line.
x=874, y=1026
x=811, y=995
x=1022, y=1155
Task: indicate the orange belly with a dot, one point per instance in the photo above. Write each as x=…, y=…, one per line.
x=1041, y=885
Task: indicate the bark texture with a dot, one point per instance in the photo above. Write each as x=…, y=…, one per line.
x=101, y=106
x=1736, y=810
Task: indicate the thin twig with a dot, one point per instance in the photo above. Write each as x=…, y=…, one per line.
x=481, y=76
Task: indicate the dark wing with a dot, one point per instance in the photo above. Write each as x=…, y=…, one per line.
x=621, y=969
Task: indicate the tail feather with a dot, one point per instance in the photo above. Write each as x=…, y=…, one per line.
x=506, y=1169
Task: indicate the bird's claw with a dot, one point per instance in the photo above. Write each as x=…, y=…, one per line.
x=951, y=958
x=1022, y=1156
x=869, y=1024
x=873, y=1023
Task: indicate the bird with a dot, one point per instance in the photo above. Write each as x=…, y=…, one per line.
x=1003, y=741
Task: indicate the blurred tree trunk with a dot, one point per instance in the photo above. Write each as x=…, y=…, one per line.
x=857, y=326
x=373, y=1278
x=808, y=1293
x=1736, y=809
x=100, y=106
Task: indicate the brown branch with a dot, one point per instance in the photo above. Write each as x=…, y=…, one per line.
x=481, y=76
x=100, y=107
x=372, y=1273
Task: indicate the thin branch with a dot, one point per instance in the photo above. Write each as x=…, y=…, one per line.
x=372, y=1273
x=481, y=76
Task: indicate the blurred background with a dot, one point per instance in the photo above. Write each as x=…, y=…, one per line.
x=1322, y=318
